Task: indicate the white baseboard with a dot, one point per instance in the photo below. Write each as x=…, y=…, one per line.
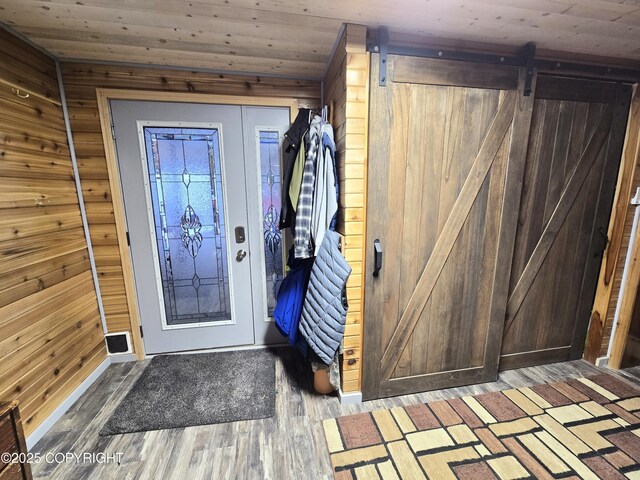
x=60, y=410
x=122, y=357
x=350, y=397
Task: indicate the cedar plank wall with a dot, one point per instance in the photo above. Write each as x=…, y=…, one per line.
x=50, y=332
x=346, y=92
x=632, y=148
x=81, y=81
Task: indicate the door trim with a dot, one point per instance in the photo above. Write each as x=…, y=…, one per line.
x=103, y=96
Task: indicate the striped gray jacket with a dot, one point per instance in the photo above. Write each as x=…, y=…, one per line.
x=302, y=241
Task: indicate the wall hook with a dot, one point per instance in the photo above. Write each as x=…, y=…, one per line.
x=20, y=93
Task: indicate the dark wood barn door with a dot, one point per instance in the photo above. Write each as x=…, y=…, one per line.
x=487, y=205
x=576, y=140
x=441, y=136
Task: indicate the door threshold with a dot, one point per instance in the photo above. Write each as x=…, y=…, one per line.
x=221, y=349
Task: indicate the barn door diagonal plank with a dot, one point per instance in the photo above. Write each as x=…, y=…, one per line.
x=470, y=189
x=567, y=198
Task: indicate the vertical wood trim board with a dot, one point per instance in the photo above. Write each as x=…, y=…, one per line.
x=619, y=232
x=346, y=88
x=51, y=336
x=117, y=203
x=81, y=84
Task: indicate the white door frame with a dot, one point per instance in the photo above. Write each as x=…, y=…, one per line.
x=103, y=96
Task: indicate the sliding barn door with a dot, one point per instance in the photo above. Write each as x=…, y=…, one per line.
x=575, y=144
x=445, y=156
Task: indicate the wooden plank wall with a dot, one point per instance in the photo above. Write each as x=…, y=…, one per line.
x=346, y=92
x=619, y=238
x=51, y=337
x=632, y=150
x=81, y=81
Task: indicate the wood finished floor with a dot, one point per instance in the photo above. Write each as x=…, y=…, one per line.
x=290, y=445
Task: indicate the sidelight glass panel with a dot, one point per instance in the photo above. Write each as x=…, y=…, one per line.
x=270, y=195
x=186, y=194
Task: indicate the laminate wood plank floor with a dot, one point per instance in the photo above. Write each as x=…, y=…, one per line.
x=290, y=445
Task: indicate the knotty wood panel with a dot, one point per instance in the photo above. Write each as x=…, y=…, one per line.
x=295, y=38
x=631, y=356
x=617, y=282
x=346, y=92
x=619, y=236
x=50, y=331
x=81, y=81
x=571, y=169
x=627, y=305
x=24, y=67
x=438, y=171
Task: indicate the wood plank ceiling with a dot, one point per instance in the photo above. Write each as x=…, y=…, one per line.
x=295, y=37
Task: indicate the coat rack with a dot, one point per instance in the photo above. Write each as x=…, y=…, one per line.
x=20, y=93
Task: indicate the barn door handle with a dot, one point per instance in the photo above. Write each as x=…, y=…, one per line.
x=377, y=257
x=605, y=239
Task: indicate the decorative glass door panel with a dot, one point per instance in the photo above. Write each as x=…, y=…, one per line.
x=263, y=129
x=269, y=153
x=186, y=183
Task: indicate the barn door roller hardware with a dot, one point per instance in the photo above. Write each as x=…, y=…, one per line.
x=526, y=58
x=530, y=58
x=383, y=48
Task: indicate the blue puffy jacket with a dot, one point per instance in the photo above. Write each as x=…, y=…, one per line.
x=291, y=297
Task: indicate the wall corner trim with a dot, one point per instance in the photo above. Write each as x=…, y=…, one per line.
x=66, y=404
x=83, y=210
x=332, y=54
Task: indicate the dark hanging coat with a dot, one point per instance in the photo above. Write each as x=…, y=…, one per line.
x=293, y=139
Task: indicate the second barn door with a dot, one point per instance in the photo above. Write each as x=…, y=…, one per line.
x=446, y=153
x=576, y=140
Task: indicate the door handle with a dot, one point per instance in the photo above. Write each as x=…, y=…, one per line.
x=240, y=255
x=605, y=241
x=377, y=257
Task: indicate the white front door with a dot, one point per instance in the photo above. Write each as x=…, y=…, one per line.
x=196, y=220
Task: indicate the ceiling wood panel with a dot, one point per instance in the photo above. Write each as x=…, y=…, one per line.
x=289, y=37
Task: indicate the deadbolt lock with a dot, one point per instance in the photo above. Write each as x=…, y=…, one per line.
x=240, y=238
